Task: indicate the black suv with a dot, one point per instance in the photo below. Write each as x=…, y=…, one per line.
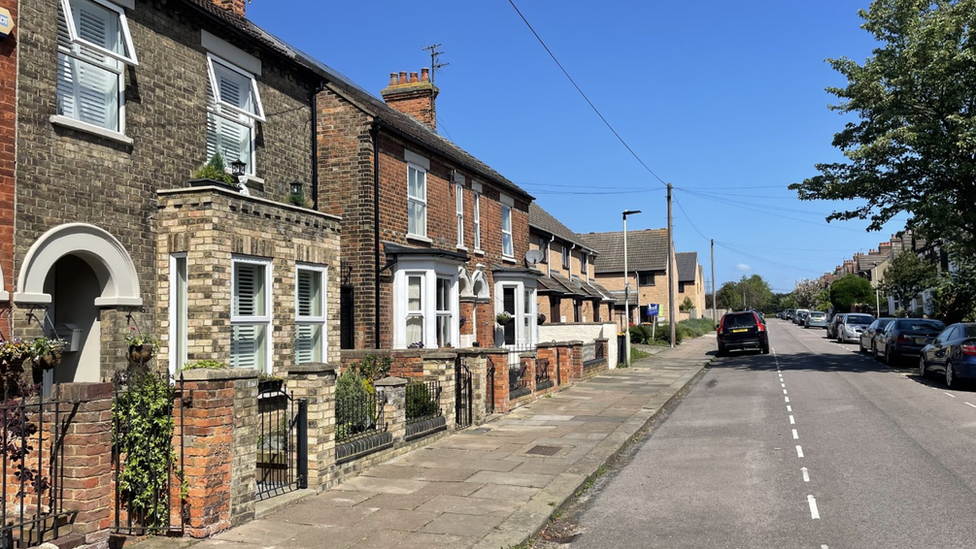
x=742, y=330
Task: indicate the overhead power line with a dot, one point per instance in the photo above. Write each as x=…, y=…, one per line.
x=580, y=90
x=688, y=217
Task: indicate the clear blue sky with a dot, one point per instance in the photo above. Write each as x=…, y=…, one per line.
x=718, y=97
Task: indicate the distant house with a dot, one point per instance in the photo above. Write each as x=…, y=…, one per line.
x=691, y=283
x=568, y=293
x=647, y=263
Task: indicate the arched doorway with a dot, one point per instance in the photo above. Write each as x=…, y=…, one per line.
x=75, y=270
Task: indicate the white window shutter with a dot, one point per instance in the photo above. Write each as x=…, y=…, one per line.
x=66, y=87
x=305, y=343
x=244, y=347
x=246, y=291
x=97, y=99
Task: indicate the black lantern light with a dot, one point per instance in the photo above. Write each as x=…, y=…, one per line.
x=296, y=188
x=237, y=168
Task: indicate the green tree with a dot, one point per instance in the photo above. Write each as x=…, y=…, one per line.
x=686, y=305
x=849, y=291
x=955, y=292
x=754, y=289
x=906, y=277
x=729, y=297
x=806, y=293
x=913, y=146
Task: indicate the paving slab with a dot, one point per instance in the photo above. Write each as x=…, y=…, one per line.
x=483, y=488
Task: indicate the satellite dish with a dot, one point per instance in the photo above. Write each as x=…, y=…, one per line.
x=532, y=257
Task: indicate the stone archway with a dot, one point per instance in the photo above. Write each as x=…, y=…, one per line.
x=75, y=271
x=102, y=252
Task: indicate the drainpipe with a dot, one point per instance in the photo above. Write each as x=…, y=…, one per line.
x=549, y=256
x=315, y=145
x=374, y=132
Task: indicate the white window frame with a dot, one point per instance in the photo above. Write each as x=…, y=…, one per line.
x=212, y=74
x=417, y=200
x=459, y=201
x=313, y=320
x=178, y=315
x=263, y=320
x=509, y=254
x=584, y=265
x=567, y=259
x=450, y=312
x=430, y=270
x=476, y=215
x=132, y=59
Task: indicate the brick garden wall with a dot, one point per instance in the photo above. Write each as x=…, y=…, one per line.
x=8, y=105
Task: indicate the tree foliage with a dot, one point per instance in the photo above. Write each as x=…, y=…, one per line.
x=913, y=147
x=756, y=291
x=849, y=291
x=806, y=293
x=955, y=292
x=906, y=277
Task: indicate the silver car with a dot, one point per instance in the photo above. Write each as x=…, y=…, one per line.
x=852, y=325
x=816, y=319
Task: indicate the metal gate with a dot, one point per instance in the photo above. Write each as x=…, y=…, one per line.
x=282, y=453
x=490, y=389
x=463, y=394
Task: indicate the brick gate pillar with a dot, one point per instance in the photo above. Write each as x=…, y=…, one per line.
x=315, y=382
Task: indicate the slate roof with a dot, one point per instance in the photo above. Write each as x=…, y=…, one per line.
x=607, y=295
x=398, y=121
x=647, y=250
x=687, y=263
x=544, y=221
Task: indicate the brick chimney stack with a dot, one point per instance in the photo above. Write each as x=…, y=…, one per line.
x=236, y=6
x=414, y=95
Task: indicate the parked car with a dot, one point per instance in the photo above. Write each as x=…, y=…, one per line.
x=851, y=326
x=905, y=337
x=832, y=326
x=800, y=317
x=866, y=341
x=789, y=314
x=953, y=352
x=742, y=330
x=815, y=319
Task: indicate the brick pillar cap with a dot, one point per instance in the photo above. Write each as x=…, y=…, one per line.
x=601, y=339
x=547, y=345
x=485, y=351
x=527, y=354
x=390, y=382
x=577, y=342
x=440, y=355
x=84, y=391
x=204, y=374
x=313, y=368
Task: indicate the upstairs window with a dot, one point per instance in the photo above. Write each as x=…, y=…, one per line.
x=566, y=253
x=646, y=279
x=459, y=198
x=309, y=315
x=233, y=107
x=508, y=246
x=476, y=214
x=585, y=266
x=94, y=45
x=416, y=201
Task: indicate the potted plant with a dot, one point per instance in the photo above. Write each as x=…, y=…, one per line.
x=504, y=318
x=46, y=353
x=141, y=347
x=13, y=353
x=214, y=171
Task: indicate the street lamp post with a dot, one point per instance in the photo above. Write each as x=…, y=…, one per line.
x=627, y=292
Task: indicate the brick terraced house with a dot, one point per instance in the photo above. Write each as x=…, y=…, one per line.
x=568, y=293
x=433, y=240
x=119, y=101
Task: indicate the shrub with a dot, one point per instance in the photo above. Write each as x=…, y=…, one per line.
x=637, y=335
x=420, y=401
x=351, y=416
x=216, y=170
x=204, y=365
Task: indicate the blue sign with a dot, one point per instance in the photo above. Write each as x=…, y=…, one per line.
x=652, y=309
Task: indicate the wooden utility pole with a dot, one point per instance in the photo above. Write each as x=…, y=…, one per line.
x=671, y=280
x=714, y=306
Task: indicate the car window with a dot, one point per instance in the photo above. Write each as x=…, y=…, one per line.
x=920, y=325
x=859, y=319
x=873, y=325
x=948, y=334
x=740, y=320
x=883, y=323
x=970, y=330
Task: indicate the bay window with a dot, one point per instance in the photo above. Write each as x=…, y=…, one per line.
x=309, y=314
x=415, y=310
x=425, y=303
x=250, y=314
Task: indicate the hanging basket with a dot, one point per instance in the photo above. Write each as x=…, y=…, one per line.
x=47, y=361
x=141, y=354
x=541, y=319
x=504, y=320
x=12, y=365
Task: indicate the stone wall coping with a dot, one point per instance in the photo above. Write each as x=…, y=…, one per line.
x=601, y=339
x=235, y=194
x=482, y=351
x=574, y=342
x=403, y=353
x=83, y=392
x=528, y=354
x=576, y=323
x=390, y=382
x=441, y=355
x=549, y=344
x=205, y=374
x=313, y=368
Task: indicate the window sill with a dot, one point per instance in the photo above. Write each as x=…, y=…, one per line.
x=508, y=259
x=78, y=125
x=463, y=248
x=418, y=238
x=479, y=252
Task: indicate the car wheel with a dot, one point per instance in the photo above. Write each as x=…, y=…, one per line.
x=722, y=351
x=765, y=349
x=887, y=355
x=874, y=351
x=922, y=369
x=951, y=381
x=860, y=345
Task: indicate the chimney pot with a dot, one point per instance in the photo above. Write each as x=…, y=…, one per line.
x=413, y=78
x=393, y=78
x=403, y=77
x=425, y=74
x=416, y=99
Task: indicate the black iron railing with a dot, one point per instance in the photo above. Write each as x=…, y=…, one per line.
x=282, y=453
x=542, y=379
x=31, y=508
x=423, y=400
x=518, y=381
x=463, y=395
x=356, y=416
x=490, y=390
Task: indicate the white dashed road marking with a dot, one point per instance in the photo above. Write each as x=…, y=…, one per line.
x=799, y=451
x=806, y=474
x=814, y=512
x=789, y=408
x=971, y=404
x=795, y=435
x=948, y=394
x=792, y=421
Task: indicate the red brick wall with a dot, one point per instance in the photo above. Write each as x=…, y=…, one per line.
x=8, y=95
x=209, y=425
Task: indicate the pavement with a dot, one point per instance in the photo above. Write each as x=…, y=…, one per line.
x=487, y=487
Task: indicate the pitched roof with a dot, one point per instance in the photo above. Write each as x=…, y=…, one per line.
x=544, y=221
x=647, y=250
x=687, y=263
x=402, y=123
